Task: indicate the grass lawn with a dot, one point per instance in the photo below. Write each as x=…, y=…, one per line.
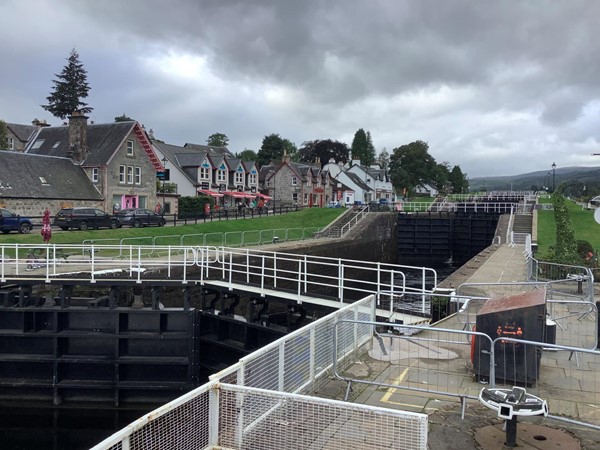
x=586, y=228
x=306, y=218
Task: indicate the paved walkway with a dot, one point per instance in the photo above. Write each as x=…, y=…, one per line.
x=437, y=362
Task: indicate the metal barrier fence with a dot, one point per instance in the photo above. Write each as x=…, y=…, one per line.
x=419, y=358
x=575, y=317
x=566, y=377
x=438, y=362
x=219, y=416
x=566, y=280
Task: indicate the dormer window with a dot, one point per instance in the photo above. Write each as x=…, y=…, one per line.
x=129, y=148
x=43, y=180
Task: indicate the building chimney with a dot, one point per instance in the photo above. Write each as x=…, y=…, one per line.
x=78, y=149
x=286, y=157
x=39, y=123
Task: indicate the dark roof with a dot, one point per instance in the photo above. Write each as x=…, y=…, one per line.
x=24, y=175
x=102, y=141
x=189, y=159
x=22, y=132
x=356, y=180
x=378, y=173
x=213, y=151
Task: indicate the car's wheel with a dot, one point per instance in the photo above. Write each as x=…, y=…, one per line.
x=24, y=228
x=64, y=228
x=83, y=226
x=6, y=231
x=113, y=224
x=137, y=223
x=162, y=223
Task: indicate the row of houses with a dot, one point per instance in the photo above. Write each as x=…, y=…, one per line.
x=116, y=165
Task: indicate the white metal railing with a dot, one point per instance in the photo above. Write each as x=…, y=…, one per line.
x=219, y=416
x=299, y=276
x=260, y=402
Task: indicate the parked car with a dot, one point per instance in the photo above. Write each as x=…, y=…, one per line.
x=139, y=217
x=384, y=201
x=9, y=221
x=83, y=218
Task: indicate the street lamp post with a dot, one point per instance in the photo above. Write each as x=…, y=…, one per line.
x=553, y=176
x=547, y=181
x=164, y=161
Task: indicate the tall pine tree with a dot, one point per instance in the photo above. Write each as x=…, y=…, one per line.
x=69, y=88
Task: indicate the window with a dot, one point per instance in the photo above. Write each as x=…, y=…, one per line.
x=295, y=197
x=239, y=178
x=220, y=175
x=129, y=174
x=95, y=175
x=252, y=179
x=138, y=175
x=204, y=173
x=122, y=174
x=11, y=143
x=129, y=148
x=294, y=181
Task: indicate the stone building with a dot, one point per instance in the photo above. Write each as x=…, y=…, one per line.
x=292, y=183
x=117, y=157
x=31, y=183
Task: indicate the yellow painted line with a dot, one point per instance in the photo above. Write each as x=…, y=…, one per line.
x=396, y=382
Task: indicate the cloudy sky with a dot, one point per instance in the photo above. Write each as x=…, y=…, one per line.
x=499, y=88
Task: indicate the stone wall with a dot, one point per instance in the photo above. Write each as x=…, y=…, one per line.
x=373, y=239
x=35, y=207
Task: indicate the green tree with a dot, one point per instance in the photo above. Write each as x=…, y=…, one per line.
x=69, y=88
x=565, y=249
x=247, y=155
x=123, y=118
x=441, y=178
x=3, y=135
x=360, y=146
x=384, y=159
x=458, y=181
x=411, y=165
x=218, y=140
x=370, y=156
x=273, y=148
x=324, y=150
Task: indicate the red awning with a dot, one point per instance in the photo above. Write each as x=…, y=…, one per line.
x=211, y=193
x=263, y=196
x=236, y=194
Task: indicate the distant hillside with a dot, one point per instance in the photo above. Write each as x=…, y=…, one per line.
x=537, y=180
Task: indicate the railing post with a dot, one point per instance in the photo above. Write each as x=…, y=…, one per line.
x=213, y=416
x=340, y=281
x=247, y=266
x=92, y=263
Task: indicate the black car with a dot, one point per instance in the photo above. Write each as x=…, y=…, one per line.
x=9, y=221
x=83, y=218
x=139, y=217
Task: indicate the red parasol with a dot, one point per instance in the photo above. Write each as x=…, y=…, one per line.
x=46, y=231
